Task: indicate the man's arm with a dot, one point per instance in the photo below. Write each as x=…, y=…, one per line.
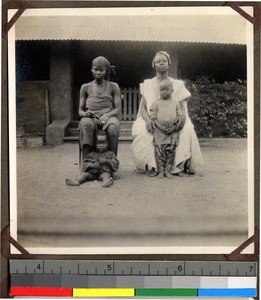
x=82, y=103
x=116, y=94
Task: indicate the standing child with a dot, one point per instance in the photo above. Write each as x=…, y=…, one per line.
x=165, y=113
x=100, y=164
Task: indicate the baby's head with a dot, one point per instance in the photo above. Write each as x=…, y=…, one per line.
x=101, y=141
x=166, y=89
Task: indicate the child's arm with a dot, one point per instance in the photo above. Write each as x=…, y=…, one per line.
x=177, y=121
x=160, y=126
x=153, y=116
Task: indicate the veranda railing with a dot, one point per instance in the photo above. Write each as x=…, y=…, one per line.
x=130, y=98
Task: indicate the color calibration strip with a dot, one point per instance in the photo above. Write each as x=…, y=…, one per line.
x=129, y=292
x=132, y=278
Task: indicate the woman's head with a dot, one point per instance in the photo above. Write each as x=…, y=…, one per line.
x=161, y=61
x=101, y=68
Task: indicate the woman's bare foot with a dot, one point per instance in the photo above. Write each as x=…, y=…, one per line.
x=168, y=175
x=73, y=182
x=107, y=182
x=152, y=172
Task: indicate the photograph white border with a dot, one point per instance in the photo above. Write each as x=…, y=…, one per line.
x=12, y=128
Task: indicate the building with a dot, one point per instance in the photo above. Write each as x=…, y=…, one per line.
x=54, y=54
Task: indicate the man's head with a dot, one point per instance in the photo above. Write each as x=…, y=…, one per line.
x=101, y=68
x=101, y=141
x=166, y=89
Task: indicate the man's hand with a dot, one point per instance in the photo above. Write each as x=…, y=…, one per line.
x=103, y=119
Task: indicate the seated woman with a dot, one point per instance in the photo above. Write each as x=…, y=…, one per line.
x=100, y=105
x=188, y=155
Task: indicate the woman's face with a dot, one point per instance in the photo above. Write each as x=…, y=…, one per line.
x=161, y=63
x=98, y=73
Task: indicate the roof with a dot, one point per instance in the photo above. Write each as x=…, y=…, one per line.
x=225, y=29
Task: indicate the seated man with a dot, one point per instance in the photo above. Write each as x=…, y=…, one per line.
x=100, y=105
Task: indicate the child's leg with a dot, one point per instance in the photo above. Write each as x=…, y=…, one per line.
x=106, y=179
x=80, y=179
x=160, y=159
x=170, y=155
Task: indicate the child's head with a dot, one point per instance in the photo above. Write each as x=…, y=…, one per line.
x=101, y=141
x=166, y=89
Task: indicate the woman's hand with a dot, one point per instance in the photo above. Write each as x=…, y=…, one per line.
x=150, y=125
x=103, y=119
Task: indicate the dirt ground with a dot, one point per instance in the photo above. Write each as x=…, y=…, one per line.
x=206, y=209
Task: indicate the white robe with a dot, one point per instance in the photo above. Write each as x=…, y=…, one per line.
x=142, y=147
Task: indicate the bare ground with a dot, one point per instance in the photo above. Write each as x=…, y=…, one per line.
x=206, y=209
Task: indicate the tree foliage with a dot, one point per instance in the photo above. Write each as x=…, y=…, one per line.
x=218, y=110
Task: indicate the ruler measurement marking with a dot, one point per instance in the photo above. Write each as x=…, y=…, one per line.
x=219, y=269
x=210, y=273
x=202, y=271
x=131, y=270
x=166, y=270
x=237, y=271
x=78, y=269
x=25, y=269
x=43, y=266
x=149, y=269
x=96, y=270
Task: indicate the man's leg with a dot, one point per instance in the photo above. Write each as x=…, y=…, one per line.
x=87, y=127
x=113, y=137
x=86, y=176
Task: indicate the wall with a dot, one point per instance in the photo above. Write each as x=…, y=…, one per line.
x=30, y=105
x=61, y=72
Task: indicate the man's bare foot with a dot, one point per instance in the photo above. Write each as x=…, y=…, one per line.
x=73, y=182
x=116, y=175
x=168, y=175
x=107, y=183
x=161, y=175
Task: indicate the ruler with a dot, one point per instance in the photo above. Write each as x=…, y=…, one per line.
x=132, y=278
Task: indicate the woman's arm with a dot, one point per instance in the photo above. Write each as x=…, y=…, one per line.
x=182, y=118
x=150, y=126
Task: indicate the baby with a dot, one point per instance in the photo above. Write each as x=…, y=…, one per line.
x=100, y=164
x=165, y=113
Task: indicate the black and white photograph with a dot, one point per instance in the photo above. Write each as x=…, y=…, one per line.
x=131, y=130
